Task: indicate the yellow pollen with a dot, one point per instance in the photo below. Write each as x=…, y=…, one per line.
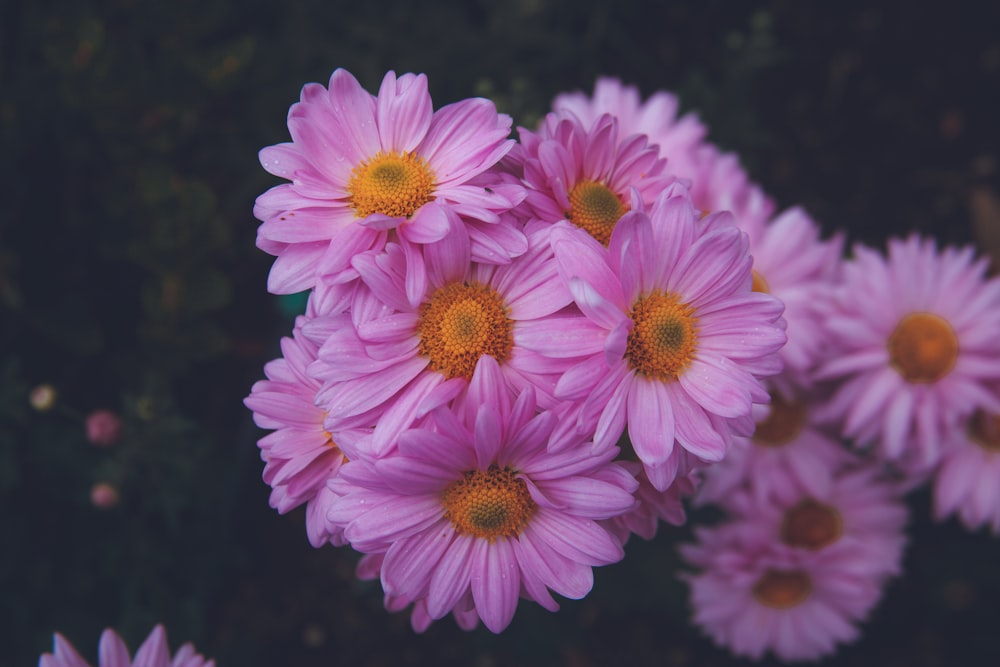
x=782, y=425
x=664, y=336
x=923, y=348
x=759, y=284
x=461, y=323
x=811, y=525
x=595, y=208
x=392, y=184
x=984, y=430
x=782, y=589
x=489, y=503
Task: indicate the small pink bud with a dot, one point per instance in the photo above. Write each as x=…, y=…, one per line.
x=103, y=496
x=42, y=397
x=103, y=428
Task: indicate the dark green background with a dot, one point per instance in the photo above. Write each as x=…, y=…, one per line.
x=129, y=280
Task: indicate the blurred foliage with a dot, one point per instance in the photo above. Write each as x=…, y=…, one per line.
x=129, y=280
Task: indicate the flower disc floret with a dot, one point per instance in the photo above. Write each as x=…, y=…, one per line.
x=782, y=589
x=664, y=338
x=462, y=322
x=390, y=183
x=811, y=525
x=595, y=208
x=923, y=347
x=489, y=503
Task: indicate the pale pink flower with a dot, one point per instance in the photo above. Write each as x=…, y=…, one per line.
x=913, y=340
x=361, y=166
x=112, y=652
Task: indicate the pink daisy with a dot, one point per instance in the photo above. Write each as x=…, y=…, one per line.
x=672, y=340
x=300, y=455
x=361, y=165
x=385, y=360
x=967, y=482
x=914, y=342
x=788, y=455
x=587, y=173
x=791, y=262
x=752, y=598
x=112, y=652
x=478, y=510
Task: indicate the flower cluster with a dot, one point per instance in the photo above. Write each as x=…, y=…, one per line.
x=518, y=353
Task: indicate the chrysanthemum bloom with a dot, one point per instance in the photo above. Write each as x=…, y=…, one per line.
x=673, y=340
x=858, y=509
x=300, y=455
x=967, y=482
x=791, y=262
x=751, y=598
x=588, y=173
x=788, y=455
x=385, y=359
x=483, y=511
x=718, y=182
x=112, y=652
x=914, y=341
x=361, y=165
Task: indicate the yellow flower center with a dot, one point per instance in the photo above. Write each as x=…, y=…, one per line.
x=811, y=525
x=461, y=323
x=664, y=338
x=595, y=208
x=391, y=184
x=923, y=347
x=782, y=589
x=759, y=284
x=782, y=425
x=489, y=503
x=984, y=430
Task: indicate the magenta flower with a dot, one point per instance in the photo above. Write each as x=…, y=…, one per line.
x=914, y=342
x=672, y=340
x=587, y=174
x=382, y=362
x=967, y=482
x=753, y=597
x=112, y=652
x=479, y=511
x=300, y=455
x=361, y=165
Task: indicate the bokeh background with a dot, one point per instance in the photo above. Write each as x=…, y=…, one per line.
x=129, y=281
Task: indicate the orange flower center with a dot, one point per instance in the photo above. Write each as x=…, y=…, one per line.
x=782, y=589
x=811, y=525
x=391, y=184
x=595, y=208
x=759, y=284
x=782, y=425
x=489, y=503
x=461, y=323
x=923, y=347
x=984, y=430
x=664, y=338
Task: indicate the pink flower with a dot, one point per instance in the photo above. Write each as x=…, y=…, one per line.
x=588, y=174
x=673, y=339
x=112, y=652
x=752, y=597
x=478, y=512
x=788, y=455
x=914, y=343
x=967, y=482
x=104, y=428
x=300, y=455
x=381, y=363
x=362, y=165
x=791, y=262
